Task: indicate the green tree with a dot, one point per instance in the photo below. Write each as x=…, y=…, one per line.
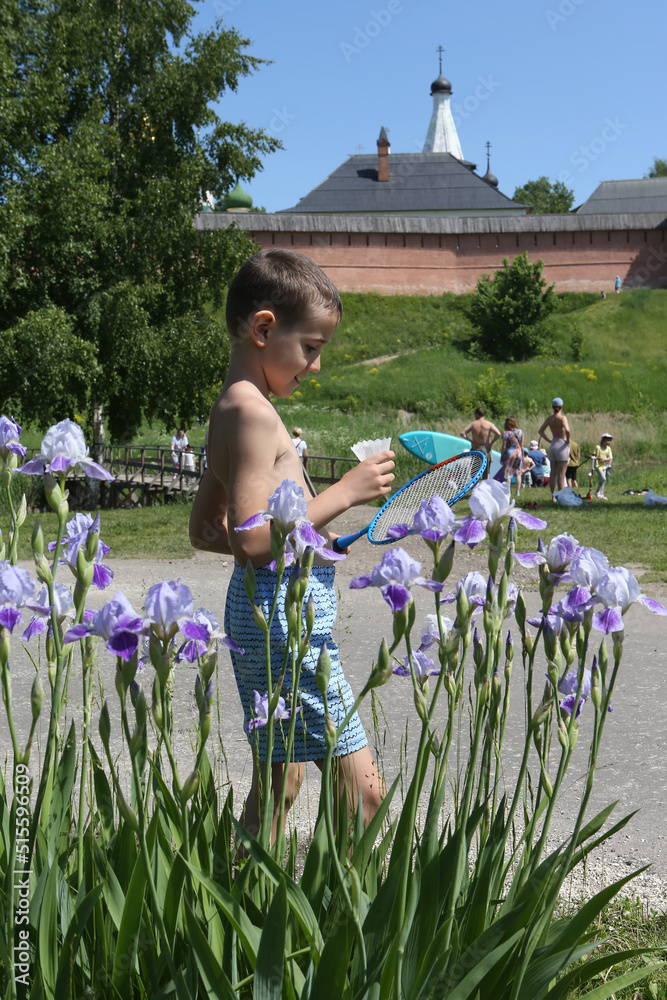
x=659, y=168
x=108, y=143
x=507, y=309
x=546, y=198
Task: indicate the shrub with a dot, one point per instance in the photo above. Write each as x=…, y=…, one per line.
x=508, y=309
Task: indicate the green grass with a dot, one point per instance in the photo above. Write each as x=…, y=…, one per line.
x=623, y=925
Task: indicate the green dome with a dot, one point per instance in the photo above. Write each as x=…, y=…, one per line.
x=237, y=199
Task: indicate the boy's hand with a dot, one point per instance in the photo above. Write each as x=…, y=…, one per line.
x=370, y=479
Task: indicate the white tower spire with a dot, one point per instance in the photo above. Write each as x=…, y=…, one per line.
x=442, y=136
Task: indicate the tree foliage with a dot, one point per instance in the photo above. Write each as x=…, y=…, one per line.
x=108, y=142
x=659, y=168
x=546, y=198
x=508, y=308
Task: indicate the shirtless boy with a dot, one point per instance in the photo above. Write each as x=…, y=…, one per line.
x=482, y=433
x=281, y=312
x=559, y=446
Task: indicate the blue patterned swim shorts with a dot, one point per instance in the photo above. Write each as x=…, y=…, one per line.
x=250, y=668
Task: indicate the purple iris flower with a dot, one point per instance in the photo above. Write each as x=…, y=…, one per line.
x=64, y=450
x=394, y=576
x=490, y=504
x=10, y=432
x=261, y=716
x=16, y=589
x=63, y=607
x=422, y=664
x=303, y=536
x=433, y=521
x=568, y=686
x=286, y=506
x=557, y=557
x=431, y=633
x=78, y=530
x=474, y=586
x=574, y=606
x=166, y=603
x=616, y=591
x=200, y=632
x=552, y=621
x=117, y=623
x=587, y=566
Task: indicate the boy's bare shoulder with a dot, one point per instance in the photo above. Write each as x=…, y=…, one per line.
x=241, y=403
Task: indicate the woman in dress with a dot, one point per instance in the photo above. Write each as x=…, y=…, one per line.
x=512, y=453
x=559, y=444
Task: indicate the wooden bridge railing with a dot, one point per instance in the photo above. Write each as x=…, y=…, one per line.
x=153, y=466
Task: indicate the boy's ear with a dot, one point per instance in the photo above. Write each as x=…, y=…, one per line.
x=261, y=325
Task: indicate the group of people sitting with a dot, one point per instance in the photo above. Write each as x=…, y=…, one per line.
x=534, y=465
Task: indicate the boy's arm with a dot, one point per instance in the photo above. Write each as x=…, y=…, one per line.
x=464, y=432
x=370, y=479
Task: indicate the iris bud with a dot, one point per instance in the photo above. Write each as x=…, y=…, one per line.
x=541, y=714
x=596, y=689
x=477, y=650
x=546, y=785
x=502, y=591
x=323, y=670
x=603, y=660
x=528, y=642
x=462, y=606
x=156, y=704
x=420, y=704
x=581, y=643
x=260, y=620
x=36, y=697
x=382, y=671
x=509, y=648
x=208, y=664
x=190, y=786
x=520, y=611
x=400, y=623
x=445, y=563
x=249, y=582
x=330, y=733
x=136, y=740
x=310, y=614
x=140, y=709
x=53, y=492
x=43, y=570
x=563, y=738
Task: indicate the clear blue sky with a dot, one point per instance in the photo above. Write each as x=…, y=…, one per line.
x=571, y=89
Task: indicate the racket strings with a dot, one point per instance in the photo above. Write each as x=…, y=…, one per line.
x=448, y=481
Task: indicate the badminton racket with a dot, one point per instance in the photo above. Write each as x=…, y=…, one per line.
x=450, y=480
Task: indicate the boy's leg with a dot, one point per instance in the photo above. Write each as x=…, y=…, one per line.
x=251, y=815
x=353, y=774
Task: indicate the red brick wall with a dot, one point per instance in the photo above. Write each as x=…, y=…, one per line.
x=429, y=264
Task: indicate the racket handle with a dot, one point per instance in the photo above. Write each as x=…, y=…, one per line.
x=343, y=541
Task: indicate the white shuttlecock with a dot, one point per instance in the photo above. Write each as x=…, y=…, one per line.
x=364, y=449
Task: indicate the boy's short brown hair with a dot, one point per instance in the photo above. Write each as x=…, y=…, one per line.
x=287, y=283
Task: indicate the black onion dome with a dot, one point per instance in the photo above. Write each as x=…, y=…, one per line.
x=490, y=179
x=441, y=86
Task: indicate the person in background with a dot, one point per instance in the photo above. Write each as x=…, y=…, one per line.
x=617, y=284
x=603, y=459
x=482, y=434
x=539, y=457
x=573, y=464
x=526, y=469
x=179, y=443
x=189, y=461
x=512, y=453
x=300, y=444
x=559, y=446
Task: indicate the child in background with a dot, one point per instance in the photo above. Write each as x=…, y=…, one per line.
x=281, y=312
x=299, y=444
x=528, y=466
x=603, y=459
x=572, y=465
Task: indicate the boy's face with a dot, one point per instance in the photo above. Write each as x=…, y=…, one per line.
x=292, y=353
